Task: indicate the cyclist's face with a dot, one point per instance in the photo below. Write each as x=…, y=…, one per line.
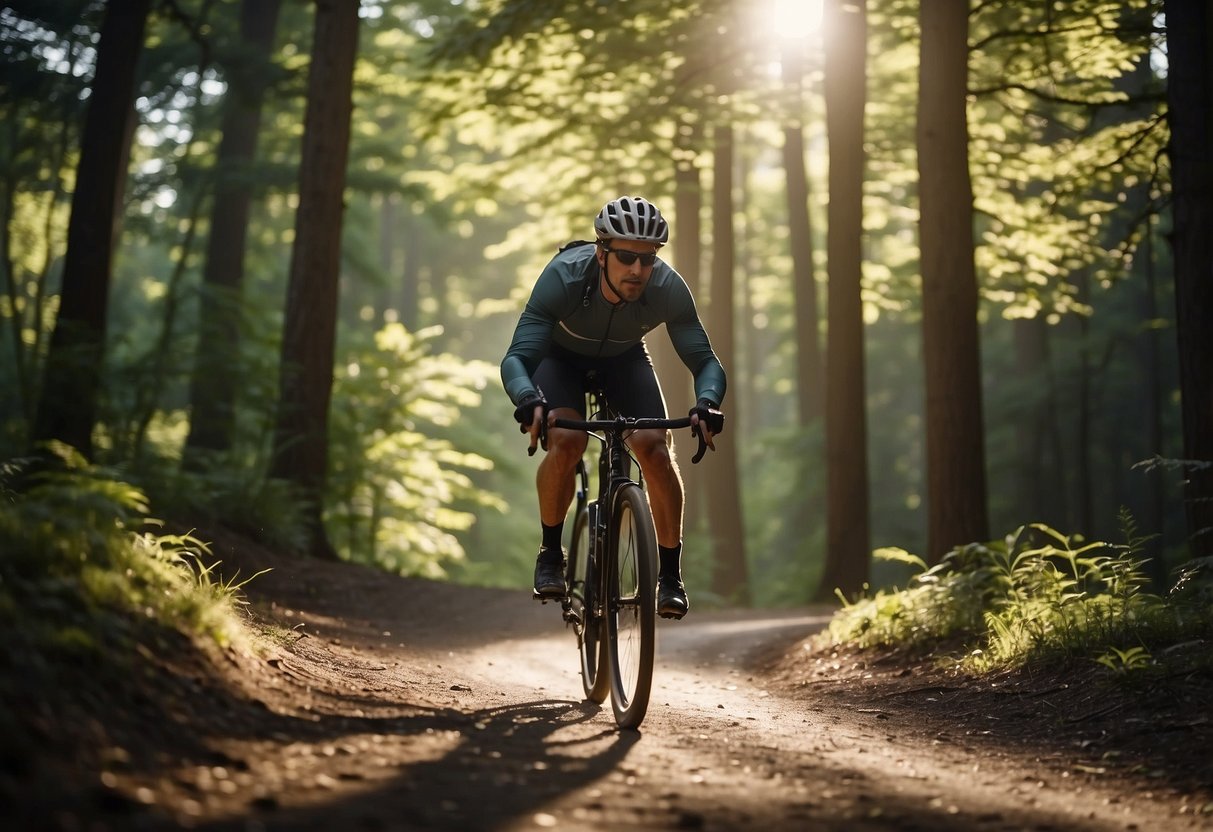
x=628, y=280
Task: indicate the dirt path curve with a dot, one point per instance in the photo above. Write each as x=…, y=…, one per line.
x=399, y=704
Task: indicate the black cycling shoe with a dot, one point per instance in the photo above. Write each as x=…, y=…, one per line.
x=549, y=576
x=671, y=598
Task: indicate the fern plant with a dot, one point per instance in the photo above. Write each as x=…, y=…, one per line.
x=76, y=548
x=1035, y=595
x=1123, y=662
x=1067, y=599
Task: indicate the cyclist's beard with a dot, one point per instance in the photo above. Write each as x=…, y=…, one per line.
x=622, y=300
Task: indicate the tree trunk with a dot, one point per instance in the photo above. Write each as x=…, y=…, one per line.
x=804, y=282
x=1154, y=516
x=730, y=578
x=67, y=408
x=309, y=336
x=746, y=345
x=848, y=547
x=1190, y=113
x=687, y=234
x=955, y=457
x=214, y=383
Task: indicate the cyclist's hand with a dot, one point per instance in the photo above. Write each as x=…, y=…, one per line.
x=706, y=421
x=530, y=415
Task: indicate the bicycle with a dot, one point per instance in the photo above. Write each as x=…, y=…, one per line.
x=611, y=572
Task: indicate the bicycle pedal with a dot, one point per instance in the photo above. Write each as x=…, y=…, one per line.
x=676, y=616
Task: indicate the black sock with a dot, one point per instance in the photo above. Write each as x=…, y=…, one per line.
x=551, y=537
x=668, y=557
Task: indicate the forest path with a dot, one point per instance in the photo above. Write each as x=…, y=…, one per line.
x=391, y=703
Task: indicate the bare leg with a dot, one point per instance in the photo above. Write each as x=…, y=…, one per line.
x=664, y=482
x=554, y=479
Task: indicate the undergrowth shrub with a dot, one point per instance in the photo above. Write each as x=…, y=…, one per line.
x=76, y=553
x=1035, y=595
x=402, y=482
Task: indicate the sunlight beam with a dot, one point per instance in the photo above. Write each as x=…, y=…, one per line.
x=794, y=19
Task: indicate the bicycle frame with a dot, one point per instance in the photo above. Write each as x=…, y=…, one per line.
x=614, y=465
x=612, y=565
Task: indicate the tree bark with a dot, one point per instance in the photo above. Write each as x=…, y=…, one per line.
x=1154, y=515
x=730, y=577
x=67, y=408
x=309, y=336
x=848, y=547
x=955, y=456
x=1190, y=114
x=215, y=381
x=687, y=235
x=800, y=238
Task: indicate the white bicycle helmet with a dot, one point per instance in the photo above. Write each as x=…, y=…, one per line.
x=632, y=218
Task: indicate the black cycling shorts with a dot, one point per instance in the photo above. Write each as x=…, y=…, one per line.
x=629, y=381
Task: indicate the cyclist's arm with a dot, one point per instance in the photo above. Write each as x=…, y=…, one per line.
x=530, y=342
x=691, y=342
x=533, y=334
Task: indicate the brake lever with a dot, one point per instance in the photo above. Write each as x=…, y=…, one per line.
x=703, y=445
x=543, y=435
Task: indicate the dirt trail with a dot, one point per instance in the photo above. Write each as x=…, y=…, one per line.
x=400, y=704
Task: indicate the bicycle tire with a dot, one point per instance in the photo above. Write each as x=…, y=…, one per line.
x=583, y=590
x=631, y=565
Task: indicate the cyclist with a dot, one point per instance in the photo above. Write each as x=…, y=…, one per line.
x=590, y=310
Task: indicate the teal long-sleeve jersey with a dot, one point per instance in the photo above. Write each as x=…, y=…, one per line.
x=567, y=308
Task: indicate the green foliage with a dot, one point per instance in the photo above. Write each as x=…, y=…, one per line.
x=1066, y=133
x=395, y=485
x=1194, y=584
x=1062, y=600
x=1037, y=595
x=76, y=558
x=486, y=133
x=938, y=604
x=1125, y=661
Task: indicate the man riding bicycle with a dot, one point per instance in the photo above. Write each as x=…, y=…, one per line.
x=589, y=311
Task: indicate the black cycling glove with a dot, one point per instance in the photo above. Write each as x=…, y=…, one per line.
x=706, y=410
x=524, y=414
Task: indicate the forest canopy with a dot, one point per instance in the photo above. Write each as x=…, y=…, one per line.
x=164, y=230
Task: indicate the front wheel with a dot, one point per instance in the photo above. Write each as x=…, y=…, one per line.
x=631, y=566
x=584, y=581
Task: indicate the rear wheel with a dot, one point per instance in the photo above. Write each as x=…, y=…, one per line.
x=631, y=567
x=587, y=617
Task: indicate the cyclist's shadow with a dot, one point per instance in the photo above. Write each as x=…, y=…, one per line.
x=464, y=770
x=513, y=760
x=517, y=758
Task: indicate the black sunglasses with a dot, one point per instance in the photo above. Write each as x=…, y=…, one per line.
x=627, y=258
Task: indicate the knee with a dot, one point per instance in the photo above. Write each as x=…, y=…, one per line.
x=652, y=449
x=566, y=446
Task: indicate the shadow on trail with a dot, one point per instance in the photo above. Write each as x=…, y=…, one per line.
x=487, y=768
x=348, y=761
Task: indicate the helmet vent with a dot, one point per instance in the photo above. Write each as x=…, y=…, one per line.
x=632, y=218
